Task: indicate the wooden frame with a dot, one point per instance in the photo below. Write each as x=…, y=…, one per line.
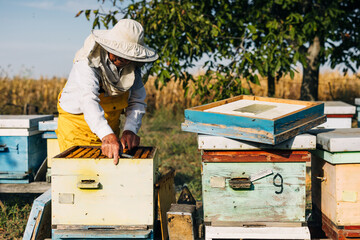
x=255, y=129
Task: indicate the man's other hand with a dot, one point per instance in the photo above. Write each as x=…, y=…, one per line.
x=129, y=139
x=111, y=147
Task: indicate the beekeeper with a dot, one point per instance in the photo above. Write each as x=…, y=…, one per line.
x=105, y=80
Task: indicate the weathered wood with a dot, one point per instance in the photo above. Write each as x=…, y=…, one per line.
x=39, y=222
x=279, y=197
x=181, y=222
x=33, y=187
x=274, y=129
x=335, y=191
x=253, y=224
x=22, y=121
x=209, y=142
x=50, y=125
x=343, y=233
x=166, y=196
x=256, y=156
x=256, y=233
x=340, y=140
x=125, y=195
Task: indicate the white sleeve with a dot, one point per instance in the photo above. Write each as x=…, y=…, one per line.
x=135, y=110
x=90, y=101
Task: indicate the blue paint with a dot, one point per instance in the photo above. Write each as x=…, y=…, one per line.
x=48, y=125
x=49, y=135
x=38, y=207
x=293, y=120
x=102, y=234
x=22, y=154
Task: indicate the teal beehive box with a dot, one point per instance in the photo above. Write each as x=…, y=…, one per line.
x=22, y=148
x=255, y=119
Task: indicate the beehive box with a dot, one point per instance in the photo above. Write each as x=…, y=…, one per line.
x=335, y=176
x=22, y=149
x=48, y=128
x=339, y=114
x=255, y=119
x=252, y=184
x=89, y=190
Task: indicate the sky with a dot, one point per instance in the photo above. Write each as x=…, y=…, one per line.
x=39, y=38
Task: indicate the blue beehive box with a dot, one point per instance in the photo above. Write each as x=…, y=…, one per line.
x=22, y=148
x=256, y=119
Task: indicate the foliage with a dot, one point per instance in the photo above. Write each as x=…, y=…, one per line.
x=241, y=39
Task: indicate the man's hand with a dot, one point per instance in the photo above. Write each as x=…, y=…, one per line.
x=130, y=139
x=111, y=147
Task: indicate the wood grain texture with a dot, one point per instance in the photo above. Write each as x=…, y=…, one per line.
x=261, y=202
x=256, y=233
x=33, y=187
x=181, y=222
x=333, y=232
x=338, y=195
x=256, y=156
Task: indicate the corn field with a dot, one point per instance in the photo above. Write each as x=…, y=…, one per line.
x=39, y=96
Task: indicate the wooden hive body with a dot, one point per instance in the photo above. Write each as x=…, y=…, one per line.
x=335, y=176
x=339, y=115
x=48, y=128
x=22, y=149
x=277, y=196
x=89, y=190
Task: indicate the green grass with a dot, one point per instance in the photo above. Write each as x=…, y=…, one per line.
x=160, y=128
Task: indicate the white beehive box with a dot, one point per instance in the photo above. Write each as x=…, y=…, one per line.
x=89, y=190
x=339, y=114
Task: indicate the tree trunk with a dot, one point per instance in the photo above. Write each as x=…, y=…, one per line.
x=310, y=83
x=271, y=86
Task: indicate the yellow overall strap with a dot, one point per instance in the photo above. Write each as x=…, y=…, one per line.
x=74, y=131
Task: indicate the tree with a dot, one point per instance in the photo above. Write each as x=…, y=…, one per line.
x=244, y=39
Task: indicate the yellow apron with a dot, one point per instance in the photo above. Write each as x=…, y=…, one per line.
x=74, y=131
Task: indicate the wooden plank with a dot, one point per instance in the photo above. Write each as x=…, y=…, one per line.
x=256, y=233
x=102, y=234
x=19, y=131
x=90, y=153
x=256, y=156
x=209, y=142
x=145, y=153
x=333, y=232
x=22, y=121
x=181, y=222
x=333, y=123
x=166, y=196
x=50, y=125
x=138, y=153
x=340, y=140
x=265, y=201
x=33, y=187
x=337, y=157
x=254, y=224
x=39, y=222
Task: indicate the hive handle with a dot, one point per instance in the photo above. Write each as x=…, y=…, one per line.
x=88, y=184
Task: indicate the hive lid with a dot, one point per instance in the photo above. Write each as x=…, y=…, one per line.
x=338, y=107
x=357, y=101
x=339, y=140
x=22, y=121
x=210, y=142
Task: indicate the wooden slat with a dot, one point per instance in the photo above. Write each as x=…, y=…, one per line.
x=138, y=153
x=34, y=187
x=97, y=153
x=81, y=153
x=90, y=153
x=74, y=152
x=145, y=153
x=256, y=156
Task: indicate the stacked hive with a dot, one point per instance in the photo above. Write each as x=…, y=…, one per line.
x=48, y=128
x=339, y=114
x=22, y=149
x=253, y=189
x=335, y=182
x=93, y=198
